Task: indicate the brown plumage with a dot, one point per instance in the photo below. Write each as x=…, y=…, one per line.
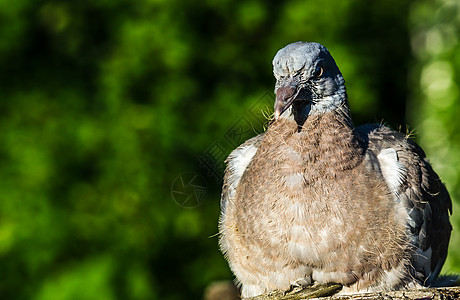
x=315, y=199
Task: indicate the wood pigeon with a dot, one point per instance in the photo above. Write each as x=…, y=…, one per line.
x=316, y=200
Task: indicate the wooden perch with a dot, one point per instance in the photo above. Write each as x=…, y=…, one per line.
x=226, y=290
x=425, y=294
x=326, y=292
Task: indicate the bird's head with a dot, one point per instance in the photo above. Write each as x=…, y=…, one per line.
x=307, y=81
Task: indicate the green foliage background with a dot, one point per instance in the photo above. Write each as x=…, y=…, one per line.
x=105, y=103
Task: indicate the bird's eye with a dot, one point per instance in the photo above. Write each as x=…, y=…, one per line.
x=318, y=71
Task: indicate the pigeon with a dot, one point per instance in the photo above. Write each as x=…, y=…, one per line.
x=316, y=200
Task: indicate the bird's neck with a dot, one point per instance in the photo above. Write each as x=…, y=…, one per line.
x=325, y=142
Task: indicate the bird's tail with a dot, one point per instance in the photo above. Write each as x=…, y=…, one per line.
x=446, y=280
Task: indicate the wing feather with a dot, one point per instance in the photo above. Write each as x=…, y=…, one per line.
x=237, y=163
x=422, y=193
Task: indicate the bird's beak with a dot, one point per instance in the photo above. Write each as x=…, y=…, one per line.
x=285, y=96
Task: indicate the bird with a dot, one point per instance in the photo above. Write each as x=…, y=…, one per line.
x=316, y=200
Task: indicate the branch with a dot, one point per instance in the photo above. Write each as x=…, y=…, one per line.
x=226, y=290
x=327, y=291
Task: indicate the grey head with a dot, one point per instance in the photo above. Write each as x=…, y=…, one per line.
x=308, y=82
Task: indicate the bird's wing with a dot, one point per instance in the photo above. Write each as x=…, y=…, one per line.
x=237, y=163
x=418, y=188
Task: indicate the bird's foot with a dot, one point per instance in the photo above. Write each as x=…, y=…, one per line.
x=299, y=292
x=300, y=284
